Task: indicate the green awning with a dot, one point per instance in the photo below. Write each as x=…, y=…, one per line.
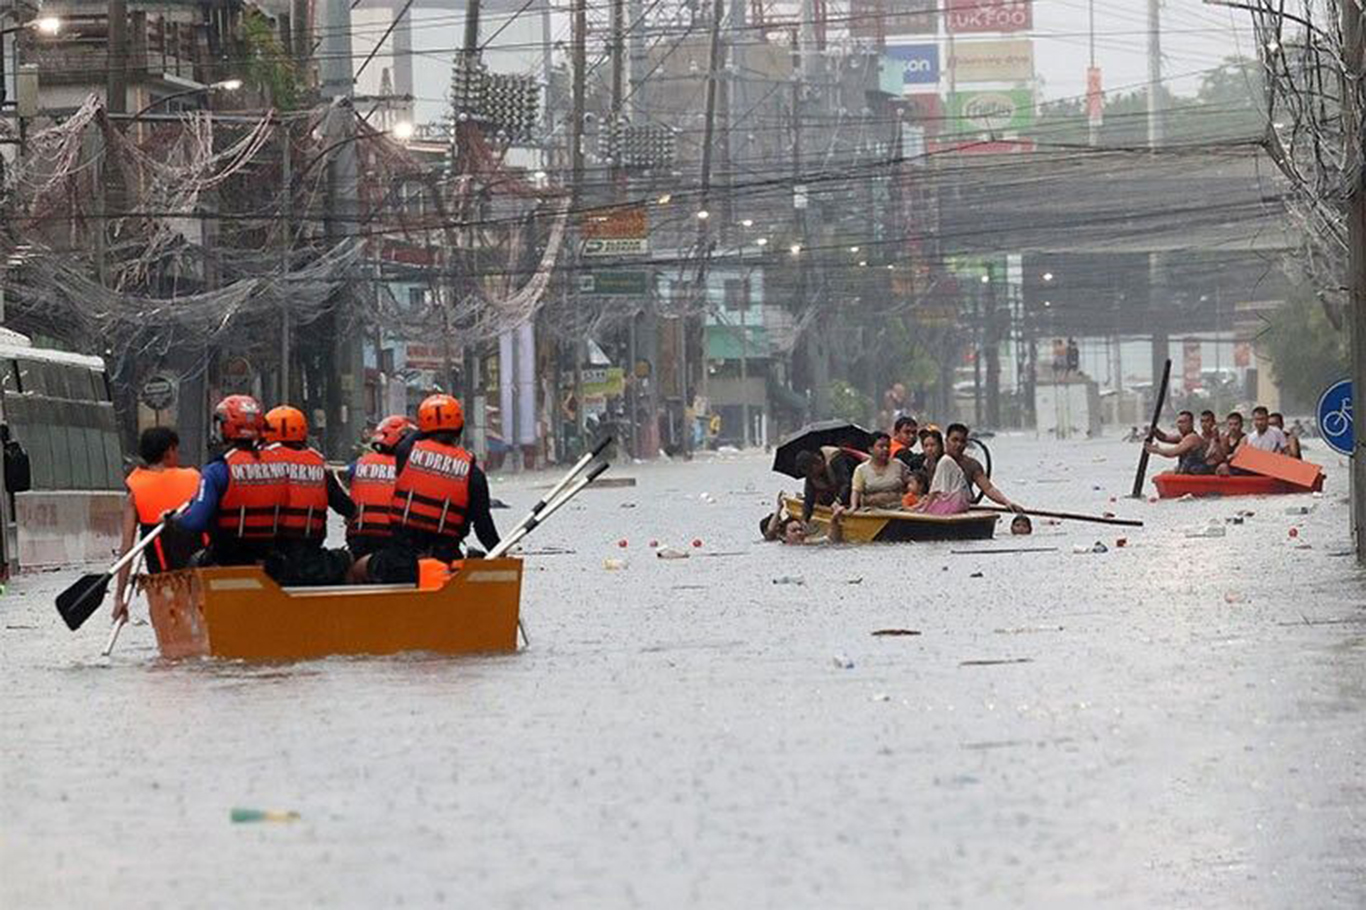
x=723, y=342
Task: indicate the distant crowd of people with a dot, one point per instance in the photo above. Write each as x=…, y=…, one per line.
x=1211, y=449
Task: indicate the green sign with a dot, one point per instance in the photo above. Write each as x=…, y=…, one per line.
x=994, y=112
x=615, y=283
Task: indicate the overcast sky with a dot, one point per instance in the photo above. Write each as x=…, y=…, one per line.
x=1195, y=37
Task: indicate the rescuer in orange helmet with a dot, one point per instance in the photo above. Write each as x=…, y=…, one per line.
x=302, y=558
x=371, y=479
x=439, y=496
x=241, y=493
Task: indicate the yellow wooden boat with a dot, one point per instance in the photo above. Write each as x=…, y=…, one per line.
x=897, y=526
x=240, y=612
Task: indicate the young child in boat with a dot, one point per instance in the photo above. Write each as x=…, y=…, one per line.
x=916, y=485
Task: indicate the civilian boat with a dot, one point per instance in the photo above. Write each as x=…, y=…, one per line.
x=897, y=526
x=241, y=613
x=1174, y=486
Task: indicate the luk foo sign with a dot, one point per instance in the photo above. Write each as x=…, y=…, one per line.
x=1335, y=416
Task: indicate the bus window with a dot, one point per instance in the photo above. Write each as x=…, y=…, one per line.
x=9, y=376
x=32, y=378
x=78, y=385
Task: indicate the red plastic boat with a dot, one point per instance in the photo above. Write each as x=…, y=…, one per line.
x=1174, y=486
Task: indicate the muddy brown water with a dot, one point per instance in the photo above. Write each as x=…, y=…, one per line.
x=1178, y=722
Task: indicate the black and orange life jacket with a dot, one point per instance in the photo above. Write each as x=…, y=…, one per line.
x=432, y=492
x=257, y=494
x=154, y=494
x=305, y=511
x=372, y=490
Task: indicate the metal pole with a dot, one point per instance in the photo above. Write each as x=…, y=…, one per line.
x=1093, y=130
x=746, y=437
x=580, y=67
x=1354, y=48
x=1156, y=273
x=286, y=242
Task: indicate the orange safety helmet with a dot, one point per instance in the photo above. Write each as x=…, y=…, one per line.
x=440, y=412
x=390, y=431
x=286, y=424
x=238, y=417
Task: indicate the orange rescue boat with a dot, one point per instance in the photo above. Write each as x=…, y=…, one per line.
x=240, y=612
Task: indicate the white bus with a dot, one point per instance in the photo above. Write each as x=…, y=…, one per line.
x=56, y=405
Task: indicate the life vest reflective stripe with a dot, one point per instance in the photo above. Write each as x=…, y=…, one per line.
x=154, y=494
x=305, y=509
x=256, y=495
x=372, y=490
x=433, y=491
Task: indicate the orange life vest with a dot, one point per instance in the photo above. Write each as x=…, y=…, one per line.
x=305, y=510
x=253, y=503
x=432, y=493
x=154, y=494
x=372, y=490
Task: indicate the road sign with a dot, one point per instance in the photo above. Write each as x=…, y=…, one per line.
x=1335, y=416
x=615, y=283
x=158, y=392
x=621, y=246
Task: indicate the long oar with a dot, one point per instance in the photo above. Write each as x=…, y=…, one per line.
x=84, y=596
x=123, y=620
x=578, y=467
x=1070, y=516
x=1142, y=474
x=535, y=519
x=564, y=481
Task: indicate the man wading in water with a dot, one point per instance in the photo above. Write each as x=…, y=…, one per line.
x=1188, y=447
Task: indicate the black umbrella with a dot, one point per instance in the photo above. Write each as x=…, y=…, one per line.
x=811, y=437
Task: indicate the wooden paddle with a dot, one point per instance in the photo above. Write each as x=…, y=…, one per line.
x=1142, y=475
x=83, y=598
x=1070, y=516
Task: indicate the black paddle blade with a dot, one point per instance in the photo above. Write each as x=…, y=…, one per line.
x=78, y=602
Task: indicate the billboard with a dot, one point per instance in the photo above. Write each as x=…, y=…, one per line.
x=1004, y=111
x=919, y=63
x=992, y=61
x=877, y=19
x=969, y=16
x=615, y=231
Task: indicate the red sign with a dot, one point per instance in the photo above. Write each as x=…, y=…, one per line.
x=1190, y=364
x=1095, y=97
x=990, y=15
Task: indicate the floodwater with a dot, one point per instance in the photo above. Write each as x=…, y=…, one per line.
x=1178, y=722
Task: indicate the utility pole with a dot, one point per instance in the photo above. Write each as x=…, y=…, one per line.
x=470, y=368
x=1092, y=128
x=993, y=352
x=116, y=79
x=579, y=104
x=342, y=362
x=1354, y=64
x=1157, y=304
x=286, y=243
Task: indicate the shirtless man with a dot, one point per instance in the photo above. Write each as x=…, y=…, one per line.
x=1186, y=446
x=955, y=445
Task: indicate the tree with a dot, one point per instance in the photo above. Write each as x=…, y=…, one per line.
x=1307, y=353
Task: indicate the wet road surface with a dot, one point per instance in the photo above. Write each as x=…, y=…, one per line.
x=1178, y=722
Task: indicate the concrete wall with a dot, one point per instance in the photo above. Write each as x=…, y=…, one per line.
x=66, y=528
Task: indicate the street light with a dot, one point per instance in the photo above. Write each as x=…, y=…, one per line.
x=226, y=85
x=762, y=241
x=795, y=249
x=47, y=25
x=1047, y=276
x=403, y=130
x=986, y=279
x=747, y=222
x=703, y=215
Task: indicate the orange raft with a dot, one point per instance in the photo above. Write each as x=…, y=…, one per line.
x=240, y=612
x=1174, y=486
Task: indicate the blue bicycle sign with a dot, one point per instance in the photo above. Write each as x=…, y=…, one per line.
x=1335, y=416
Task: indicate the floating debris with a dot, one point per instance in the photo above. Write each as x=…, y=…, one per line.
x=240, y=816
x=996, y=663
x=890, y=632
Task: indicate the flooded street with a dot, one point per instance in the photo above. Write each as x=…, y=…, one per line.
x=1176, y=722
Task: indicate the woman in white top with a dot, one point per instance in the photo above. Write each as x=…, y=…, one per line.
x=948, y=493
x=880, y=482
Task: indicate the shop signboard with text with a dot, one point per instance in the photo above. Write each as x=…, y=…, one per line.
x=993, y=112
x=972, y=16
x=992, y=61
